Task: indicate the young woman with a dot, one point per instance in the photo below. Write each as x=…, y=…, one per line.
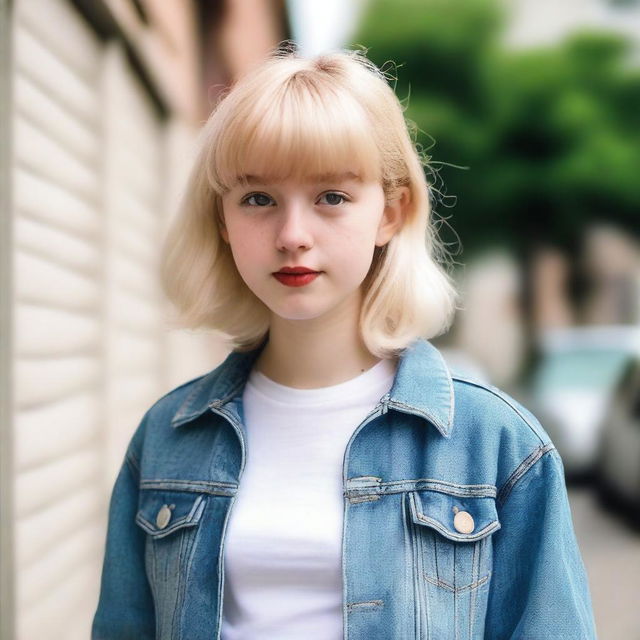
x=331, y=478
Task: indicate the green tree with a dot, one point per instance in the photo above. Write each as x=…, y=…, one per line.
x=550, y=137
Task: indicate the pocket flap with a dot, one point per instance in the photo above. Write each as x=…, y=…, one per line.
x=160, y=513
x=460, y=518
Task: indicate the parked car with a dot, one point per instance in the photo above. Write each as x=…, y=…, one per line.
x=573, y=386
x=618, y=462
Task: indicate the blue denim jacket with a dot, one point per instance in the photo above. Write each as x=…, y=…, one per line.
x=456, y=519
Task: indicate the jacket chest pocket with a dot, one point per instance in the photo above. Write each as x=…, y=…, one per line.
x=171, y=520
x=451, y=546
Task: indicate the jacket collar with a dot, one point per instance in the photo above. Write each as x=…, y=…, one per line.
x=422, y=386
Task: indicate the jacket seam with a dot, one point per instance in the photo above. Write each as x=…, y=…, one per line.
x=133, y=463
x=501, y=397
x=521, y=470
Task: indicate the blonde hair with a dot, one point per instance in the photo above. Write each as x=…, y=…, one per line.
x=298, y=117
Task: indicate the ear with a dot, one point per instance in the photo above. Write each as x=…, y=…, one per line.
x=394, y=215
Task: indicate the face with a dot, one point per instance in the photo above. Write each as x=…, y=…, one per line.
x=329, y=227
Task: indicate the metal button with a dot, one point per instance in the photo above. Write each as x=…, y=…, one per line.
x=463, y=522
x=164, y=515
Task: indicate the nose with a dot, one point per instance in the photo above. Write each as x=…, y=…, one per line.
x=293, y=229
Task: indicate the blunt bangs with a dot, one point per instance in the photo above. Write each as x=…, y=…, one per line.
x=304, y=128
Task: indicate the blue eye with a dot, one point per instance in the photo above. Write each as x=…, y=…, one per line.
x=257, y=200
x=333, y=198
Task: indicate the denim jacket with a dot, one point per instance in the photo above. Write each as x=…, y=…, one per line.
x=456, y=519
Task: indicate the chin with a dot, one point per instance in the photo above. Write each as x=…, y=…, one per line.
x=293, y=316
x=298, y=313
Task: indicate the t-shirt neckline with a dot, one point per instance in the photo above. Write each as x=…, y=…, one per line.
x=380, y=374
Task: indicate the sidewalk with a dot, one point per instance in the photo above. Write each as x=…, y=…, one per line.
x=611, y=553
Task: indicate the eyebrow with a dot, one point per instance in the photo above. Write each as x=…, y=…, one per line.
x=321, y=178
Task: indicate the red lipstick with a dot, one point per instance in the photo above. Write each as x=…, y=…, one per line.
x=296, y=276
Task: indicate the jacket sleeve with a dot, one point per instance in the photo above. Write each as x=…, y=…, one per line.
x=539, y=588
x=125, y=607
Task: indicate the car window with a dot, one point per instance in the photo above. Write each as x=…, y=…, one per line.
x=581, y=369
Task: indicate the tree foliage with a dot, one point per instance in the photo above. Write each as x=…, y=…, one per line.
x=550, y=137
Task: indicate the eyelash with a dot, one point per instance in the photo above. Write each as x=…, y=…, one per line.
x=245, y=200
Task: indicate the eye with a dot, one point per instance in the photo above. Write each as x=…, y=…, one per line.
x=257, y=200
x=333, y=198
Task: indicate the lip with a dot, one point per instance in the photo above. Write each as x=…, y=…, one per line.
x=297, y=270
x=299, y=279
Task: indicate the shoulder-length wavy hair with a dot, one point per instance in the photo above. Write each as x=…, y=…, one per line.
x=298, y=117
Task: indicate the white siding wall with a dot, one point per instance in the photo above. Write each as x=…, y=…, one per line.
x=133, y=197
x=87, y=175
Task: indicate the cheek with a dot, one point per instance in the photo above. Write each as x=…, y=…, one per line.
x=248, y=254
x=242, y=253
x=353, y=261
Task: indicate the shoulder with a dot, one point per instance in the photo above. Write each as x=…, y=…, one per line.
x=160, y=414
x=166, y=406
x=503, y=434
x=489, y=404
x=187, y=402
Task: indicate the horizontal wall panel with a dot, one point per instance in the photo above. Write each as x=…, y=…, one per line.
x=134, y=352
x=134, y=276
x=59, y=606
x=43, y=531
x=140, y=122
x=39, y=380
x=127, y=419
x=46, y=157
x=144, y=154
x=64, y=208
x=50, y=243
x=51, y=481
x=136, y=172
x=132, y=313
x=136, y=390
x=57, y=428
x=46, y=332
x=43, y=67
x=79, y=625
x=129, y=97
x=77, y=549
x=75, y=44
x=129, y=209
x=136, y=246
x=38, y=280
x=45, y=113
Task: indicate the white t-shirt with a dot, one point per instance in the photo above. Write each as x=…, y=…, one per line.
x=283, y=545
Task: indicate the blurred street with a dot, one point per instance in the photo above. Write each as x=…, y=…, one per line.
x=611, y=553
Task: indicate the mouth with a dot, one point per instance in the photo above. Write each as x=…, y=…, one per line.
x=297, y=270
x=296, y=278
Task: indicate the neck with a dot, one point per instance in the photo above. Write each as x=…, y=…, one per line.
x=309, y=355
